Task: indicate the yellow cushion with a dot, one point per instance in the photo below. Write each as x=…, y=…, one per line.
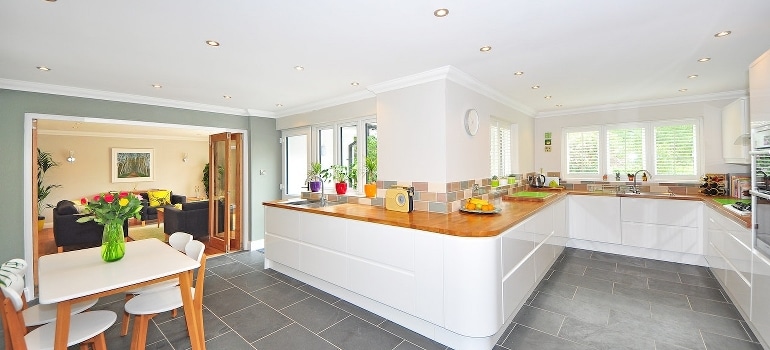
x=159, y=198
x=178, y=206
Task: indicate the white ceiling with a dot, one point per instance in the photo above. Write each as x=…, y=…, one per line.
x=583, y=53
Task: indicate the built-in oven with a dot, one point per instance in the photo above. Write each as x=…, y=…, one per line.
x=760, y=189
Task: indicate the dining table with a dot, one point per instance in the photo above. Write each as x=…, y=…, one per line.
x=70, y=277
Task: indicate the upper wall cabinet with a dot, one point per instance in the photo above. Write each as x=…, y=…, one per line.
x=759, y=90
x=735, y=132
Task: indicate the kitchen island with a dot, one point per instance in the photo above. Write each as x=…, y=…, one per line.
x=456, y=278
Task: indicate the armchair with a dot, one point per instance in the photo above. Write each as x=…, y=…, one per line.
x=151, y=213
x=67, y=231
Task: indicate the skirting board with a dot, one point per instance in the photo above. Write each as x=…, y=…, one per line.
x=654, y=254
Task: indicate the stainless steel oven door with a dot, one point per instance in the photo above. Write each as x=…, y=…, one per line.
x=761, y=219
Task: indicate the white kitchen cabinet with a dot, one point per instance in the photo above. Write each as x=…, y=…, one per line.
x=664, y=224
x=760, y=307
x=735, y=132
x=594, y=218
x=759, y=91
x=729, y=258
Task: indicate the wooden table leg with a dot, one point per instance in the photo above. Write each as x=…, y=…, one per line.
x=192, y=317
x=63, y=310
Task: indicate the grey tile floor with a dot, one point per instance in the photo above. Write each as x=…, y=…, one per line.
x=589, y=300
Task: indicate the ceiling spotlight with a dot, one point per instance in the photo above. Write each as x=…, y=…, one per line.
x=227, y=97
x=721, y=34
x=157, y=86
x=278, y=105
x=212, y=43
x=518, y=73
x=692, y=76
x=485, y=48
x=50, y=0
x=548, y=97
x=559, y=105
x=355, y=83
x=704, y=59
x=535, y=87
x=43, y=68
x=682, y=90
x=441, y=12
x=299, y=68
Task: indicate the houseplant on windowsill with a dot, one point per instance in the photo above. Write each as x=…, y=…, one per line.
x=370, y=188
x=495, y=182
x=44, y=163
x=511, y=179
x=111, y=210
x=339, y=174
x=314, y=179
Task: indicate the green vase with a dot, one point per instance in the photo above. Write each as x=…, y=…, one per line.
x=113, y=241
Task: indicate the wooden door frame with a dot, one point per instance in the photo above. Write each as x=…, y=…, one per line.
x=235, y=198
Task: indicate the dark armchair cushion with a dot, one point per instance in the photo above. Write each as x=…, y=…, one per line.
x=66, y=207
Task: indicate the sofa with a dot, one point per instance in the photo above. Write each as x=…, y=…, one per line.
x=68, y=232
x=150, y=212
x=192, y=218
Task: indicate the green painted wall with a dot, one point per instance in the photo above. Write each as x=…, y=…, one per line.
x=264, y=151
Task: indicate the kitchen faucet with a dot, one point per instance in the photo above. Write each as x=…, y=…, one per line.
x=636, y=176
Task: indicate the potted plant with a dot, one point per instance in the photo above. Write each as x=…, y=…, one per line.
x=339, y=174
x=314, y=179
x=44, y=163
x=205, y=178
x=511, y=179
x=495, y=181
x=370, y=188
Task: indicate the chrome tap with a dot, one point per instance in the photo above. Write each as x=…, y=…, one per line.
x=323, y=194
x=636, y=176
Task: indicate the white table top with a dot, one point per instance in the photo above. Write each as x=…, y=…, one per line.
x=79, y=273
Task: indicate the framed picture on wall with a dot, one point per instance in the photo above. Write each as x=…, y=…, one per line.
x=133, y=164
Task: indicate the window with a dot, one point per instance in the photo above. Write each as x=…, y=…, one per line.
x=295, y=156
x=500, y=148
x=667, y=149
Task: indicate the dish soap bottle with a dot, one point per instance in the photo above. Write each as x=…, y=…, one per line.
x=644, y=176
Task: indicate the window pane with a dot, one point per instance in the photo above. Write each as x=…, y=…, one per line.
x=348, y=152
x=296, y=164
x=326, y=148
x=625, y=150
x=583, y=152
x=675, y=150
x=500, y=149
x=371, y=148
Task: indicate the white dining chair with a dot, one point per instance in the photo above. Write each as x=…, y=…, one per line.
x=146, y=305
x=87, y=327
x=177, y=240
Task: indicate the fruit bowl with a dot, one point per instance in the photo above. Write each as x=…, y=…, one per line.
x=493, y=211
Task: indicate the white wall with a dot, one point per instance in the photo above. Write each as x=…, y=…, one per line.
x=711, y=133
x=352, y=110
x=90, y=174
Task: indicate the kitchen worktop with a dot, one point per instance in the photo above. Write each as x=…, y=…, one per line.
x=481, y=225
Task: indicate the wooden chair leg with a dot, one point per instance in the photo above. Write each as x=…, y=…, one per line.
x=173, y=313
x=99, y=342
x=60, y=249
x=126, y=318
x=139, y=336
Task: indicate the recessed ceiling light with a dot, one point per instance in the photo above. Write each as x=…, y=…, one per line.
x=212, y=43
x=355, y=83
x=559, y=105
x=50, y=0
x=157, y=86
x=227, y=97
x=43, y=68
x=535, y=87
x=518, y=73
x=721, y=34
x=704, y=59
x=278, y=105
x=682, y=90
x=441, y=12
x=485, y=48
x=299, y=68
x=548, y=97
x=692, y=76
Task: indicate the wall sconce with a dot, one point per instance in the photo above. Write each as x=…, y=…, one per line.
x=71, y=158
x=184, y=158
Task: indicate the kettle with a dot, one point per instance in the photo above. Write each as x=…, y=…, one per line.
x=537, y=181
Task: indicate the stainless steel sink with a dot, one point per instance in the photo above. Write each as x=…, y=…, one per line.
x=651, y=194
x=306, y=203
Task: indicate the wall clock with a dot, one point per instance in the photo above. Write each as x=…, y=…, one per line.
x=471, y=122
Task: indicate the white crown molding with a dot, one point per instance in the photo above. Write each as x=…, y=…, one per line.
x=121, y=97
x=411, y=80
x=462, y=78
x=314, y=106
x=111, y=135
x=650, y=103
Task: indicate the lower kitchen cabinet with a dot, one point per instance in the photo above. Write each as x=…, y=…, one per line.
x=760, y=307
x=672, y=225
x=594, y=218
x=729, y=258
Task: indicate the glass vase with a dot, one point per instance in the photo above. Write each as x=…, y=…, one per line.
x=113, y=241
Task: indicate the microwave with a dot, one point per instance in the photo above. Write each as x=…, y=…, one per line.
x=761, y=139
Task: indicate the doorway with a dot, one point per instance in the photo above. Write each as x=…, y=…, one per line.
x=225, y=200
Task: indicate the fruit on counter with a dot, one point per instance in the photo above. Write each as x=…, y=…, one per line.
x=479, y=204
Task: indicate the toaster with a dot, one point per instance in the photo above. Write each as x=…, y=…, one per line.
x=399, y=199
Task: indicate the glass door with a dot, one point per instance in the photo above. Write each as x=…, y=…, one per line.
x=225, y=179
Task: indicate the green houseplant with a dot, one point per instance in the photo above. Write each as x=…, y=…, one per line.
x=44, y=163
x=495, y=182
x=370, y=188
x=205, y=178
x=511, y=179
x=314, y=179
x=339, y=174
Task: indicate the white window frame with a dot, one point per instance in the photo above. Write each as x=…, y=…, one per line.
x=284, y=135
x=649, y=152
x=499, y=123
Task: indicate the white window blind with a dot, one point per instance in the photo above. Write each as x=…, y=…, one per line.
x=500, y=148
x=625, y=150
x=582, y=152
x=675, y=151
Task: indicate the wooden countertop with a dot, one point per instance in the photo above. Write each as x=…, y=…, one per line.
x=478, y=225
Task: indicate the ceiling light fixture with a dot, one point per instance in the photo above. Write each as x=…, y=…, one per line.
x=535, y=87
x=441, y=12
x=704, y=59
x=721, y=34
x=559, y=105
x=518, y=73
x=43, y=68
x=157, y=86
x=355, y=83
x=682, y=90
x=278, y=105
x=692, y=76
x=548, y=97
x=227, y=97
x=299, y=68
x=485, y=48
x=212, y=43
